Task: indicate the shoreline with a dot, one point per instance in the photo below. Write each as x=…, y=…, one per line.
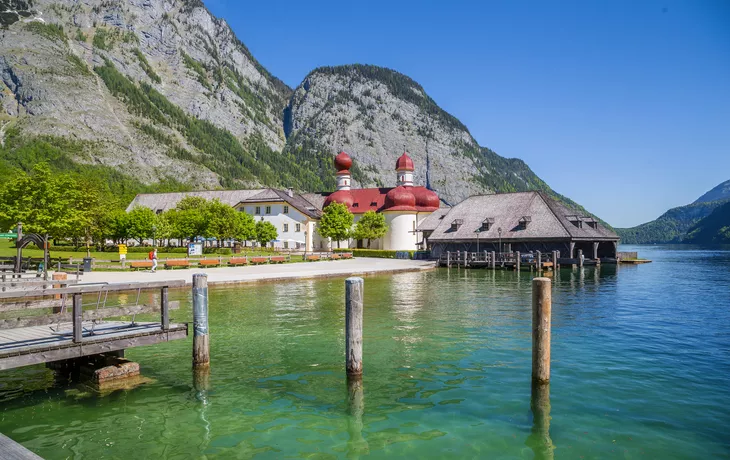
x=227, y=276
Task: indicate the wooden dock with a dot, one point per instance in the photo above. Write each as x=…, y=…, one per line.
x=11, y=450
x=77, y=329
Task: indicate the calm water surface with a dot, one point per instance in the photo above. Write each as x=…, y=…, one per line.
x=641, y=361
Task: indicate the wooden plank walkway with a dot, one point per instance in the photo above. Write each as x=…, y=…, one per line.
x=11, y=450
x=39, y=344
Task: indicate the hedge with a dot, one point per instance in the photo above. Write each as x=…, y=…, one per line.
x=380, y=253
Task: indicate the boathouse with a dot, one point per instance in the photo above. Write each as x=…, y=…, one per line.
x=522, y=221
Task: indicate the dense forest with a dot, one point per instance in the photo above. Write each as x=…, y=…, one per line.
x=713, y=229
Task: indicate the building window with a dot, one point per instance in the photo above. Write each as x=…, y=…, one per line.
x=299, y=227
x=258, y=210
x=286, y=209
x=268, y=209
x=286, y=245
x=524, y=222
x=456, y=224
x=286, y=228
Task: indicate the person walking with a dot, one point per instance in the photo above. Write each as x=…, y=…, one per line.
x=153, y=257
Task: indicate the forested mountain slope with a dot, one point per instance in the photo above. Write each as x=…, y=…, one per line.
x=160, y=95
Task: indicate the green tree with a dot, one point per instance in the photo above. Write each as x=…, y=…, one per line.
x=265, y=232
x=118, y=225
x=221, y=220
x=336, y=222
x=245, y=227
x=47, y=203
x=140, y=222
x=371, y=226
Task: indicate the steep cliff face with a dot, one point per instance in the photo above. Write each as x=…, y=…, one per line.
x=190, y=60
x=375, y=113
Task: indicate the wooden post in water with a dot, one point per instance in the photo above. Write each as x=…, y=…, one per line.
x=77, y=316
x=517, y=260
x=541, y=323
x=353, y=326
x=448, y=259
x=580, y=257
x=539, y=261
x=539, y=440
x=164, y=309
x=465, y=260
x=201, y=341
x=494, y=261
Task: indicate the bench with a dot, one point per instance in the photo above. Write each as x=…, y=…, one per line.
x=171, y=264
x=346, y=255
x=209, y=263
x=137, y=264
x=233, y=261
x=278, y=259
x=259, y=260
x=335, y=256
x=313, y=257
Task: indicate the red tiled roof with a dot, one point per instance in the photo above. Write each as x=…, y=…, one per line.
x=373, y=199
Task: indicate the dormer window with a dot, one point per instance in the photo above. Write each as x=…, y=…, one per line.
x=456, y=224
x=524, y=222
x=575, y=220
x=355, y=205
x=486, y=223
x=593, y=223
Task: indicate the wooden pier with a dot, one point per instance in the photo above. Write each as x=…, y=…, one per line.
x=77, y=326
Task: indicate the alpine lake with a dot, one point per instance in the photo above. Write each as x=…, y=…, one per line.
x=640, y=369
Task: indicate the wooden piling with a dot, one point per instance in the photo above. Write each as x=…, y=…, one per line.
x=466, y=263
x=541, y=323
x=539, y=440
x=353, y=325
x=448, y=259
x=494, y=261
x=164, y=309
x=517, y=260
x=580, y=257
x=539, y=261
x=77, y=316
x=201, y=341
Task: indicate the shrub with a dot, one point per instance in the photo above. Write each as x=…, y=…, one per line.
x=379, y=253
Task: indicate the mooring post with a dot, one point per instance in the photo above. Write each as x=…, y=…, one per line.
x=77, y=316
x=353, y=326
x=465, y=260
x=541, y=312
x=539, y=439
x=448, y=259
x=201, y=341
x=517, y=260
x=164, y=310
x=494, y=261
x=580, y=257
x=539, y=261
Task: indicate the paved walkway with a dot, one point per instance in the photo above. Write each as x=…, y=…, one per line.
x=259, y=273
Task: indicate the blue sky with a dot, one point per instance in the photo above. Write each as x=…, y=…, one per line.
x=623, y=106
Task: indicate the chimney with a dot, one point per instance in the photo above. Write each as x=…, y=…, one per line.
x=290, y=192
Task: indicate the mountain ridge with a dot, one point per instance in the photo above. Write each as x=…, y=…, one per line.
x=155, y=92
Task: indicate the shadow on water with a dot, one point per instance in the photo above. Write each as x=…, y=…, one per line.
x=539, y=440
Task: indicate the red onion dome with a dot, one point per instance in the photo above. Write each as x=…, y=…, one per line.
x=426, y=198
x=400, y=197
x=343, y=162
x=340, y=196
x=404, y=163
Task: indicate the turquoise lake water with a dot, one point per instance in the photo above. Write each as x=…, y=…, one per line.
x=641, y=369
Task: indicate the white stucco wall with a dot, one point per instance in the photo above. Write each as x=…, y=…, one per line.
x=401, y=235
x=294, y=239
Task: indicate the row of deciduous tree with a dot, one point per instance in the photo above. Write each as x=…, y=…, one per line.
x=66, y=206
x=337, y=223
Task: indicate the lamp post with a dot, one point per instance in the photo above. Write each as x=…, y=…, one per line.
x=499, y=230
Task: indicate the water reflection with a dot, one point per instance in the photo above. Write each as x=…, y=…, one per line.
x=356, y=444
x=539, y=440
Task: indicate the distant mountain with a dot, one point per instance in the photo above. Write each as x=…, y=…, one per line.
x=713, y=229
x=673, y=226
x=160, y=95
x=721, y=192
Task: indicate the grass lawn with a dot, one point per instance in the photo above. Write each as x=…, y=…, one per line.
x=7, y=249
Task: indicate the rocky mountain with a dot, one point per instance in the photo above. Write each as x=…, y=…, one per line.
x=159, y=94
x=721, y=192
x=674, y=225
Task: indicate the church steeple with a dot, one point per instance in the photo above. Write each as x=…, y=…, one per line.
x=404, y=170
x=343, y=162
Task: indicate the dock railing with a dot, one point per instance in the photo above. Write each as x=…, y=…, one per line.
x=494, y=259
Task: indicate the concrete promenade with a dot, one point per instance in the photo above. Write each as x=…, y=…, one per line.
x=263, y=273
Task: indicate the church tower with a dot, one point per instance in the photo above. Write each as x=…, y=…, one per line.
x=343, y=163
x=404, y=170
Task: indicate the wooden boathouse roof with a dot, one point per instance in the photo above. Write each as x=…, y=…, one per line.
x=520, y=215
